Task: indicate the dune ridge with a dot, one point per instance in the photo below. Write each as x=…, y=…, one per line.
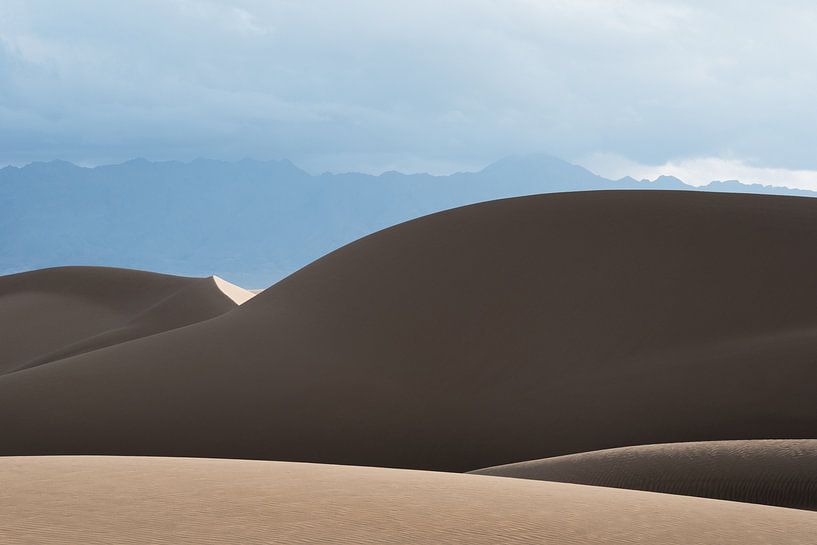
x=771, y=472
x=236, y=293
x=51, y=314
x=510, y=330
x=547, y=328
x=57, y=500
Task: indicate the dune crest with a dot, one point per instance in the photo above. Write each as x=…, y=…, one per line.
x=51, y=314
x=771, y=472
x=237, y=294
x=510, y=330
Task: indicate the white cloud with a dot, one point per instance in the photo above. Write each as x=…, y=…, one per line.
x=454, y=82
x=701, y=171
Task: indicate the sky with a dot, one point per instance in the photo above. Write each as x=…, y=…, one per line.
x=698, y=89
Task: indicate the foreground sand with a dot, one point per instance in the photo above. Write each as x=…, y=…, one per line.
x=94, y=500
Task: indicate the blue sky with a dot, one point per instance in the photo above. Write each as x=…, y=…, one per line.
x=702, y=90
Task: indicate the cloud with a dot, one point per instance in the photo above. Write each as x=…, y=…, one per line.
x=453, y=83
x=701, y=171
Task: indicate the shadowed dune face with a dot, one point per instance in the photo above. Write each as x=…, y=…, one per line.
x=57, y=500
x=50, y=314
x=771, y=472
x=510, y=330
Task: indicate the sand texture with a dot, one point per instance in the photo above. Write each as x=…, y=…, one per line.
x=102, y=500
x=771, y=472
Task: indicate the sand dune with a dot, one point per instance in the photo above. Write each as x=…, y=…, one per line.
x=237, y=294
x=58, y=500
x=771, y=472
x=50, y=314
x=510, y=330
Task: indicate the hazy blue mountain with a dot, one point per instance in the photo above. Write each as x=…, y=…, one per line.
x=734, y=186
x=251, y=222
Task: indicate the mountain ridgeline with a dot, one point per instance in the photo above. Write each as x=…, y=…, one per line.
x=252, y=222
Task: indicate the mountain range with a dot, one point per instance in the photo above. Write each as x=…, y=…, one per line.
x=252, y=222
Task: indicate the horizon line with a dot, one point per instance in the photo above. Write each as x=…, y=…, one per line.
x=286, y=161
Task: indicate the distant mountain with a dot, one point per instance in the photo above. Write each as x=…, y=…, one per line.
x=251, y=222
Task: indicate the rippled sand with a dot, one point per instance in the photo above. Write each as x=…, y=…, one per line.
x=95, y=500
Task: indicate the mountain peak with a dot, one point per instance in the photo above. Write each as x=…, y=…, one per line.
x=261, y=219
x=670, y=182
x=56, y=167
x=528, y=162
x=540, y=168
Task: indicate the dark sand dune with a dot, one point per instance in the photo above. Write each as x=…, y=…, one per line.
x=50, y=314
x=57, y=500
x=510, y=330
x=771, y=472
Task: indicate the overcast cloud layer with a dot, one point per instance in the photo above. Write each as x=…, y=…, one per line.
x=426, y=85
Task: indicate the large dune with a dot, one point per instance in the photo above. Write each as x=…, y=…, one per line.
x=510, y=330
x=58, y=500
x=771, y=472
x=50, y=314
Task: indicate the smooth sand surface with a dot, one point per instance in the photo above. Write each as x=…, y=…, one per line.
x=237, y=294
x=49, y=314
x=771, y=472
x=505, y=331
x=96, y=500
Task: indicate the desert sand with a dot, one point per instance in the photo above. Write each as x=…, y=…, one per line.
x=49, y=314
x=510, y=330
x=95, y=500
x=237, y=294
x=771, y=472
x=638, y=349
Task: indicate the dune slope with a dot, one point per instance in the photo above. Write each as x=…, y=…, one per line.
x=56, y=500
x=50, y=314
x=771, y=472
x=510, y=330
